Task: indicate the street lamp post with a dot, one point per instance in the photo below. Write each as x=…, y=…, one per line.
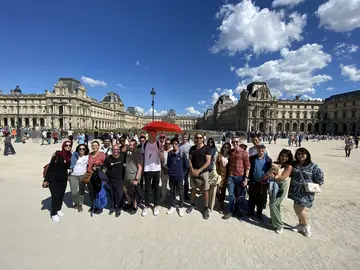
x=17, y=92
x=153, y=93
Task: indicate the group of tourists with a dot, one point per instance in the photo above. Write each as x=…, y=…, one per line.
x=130, y=175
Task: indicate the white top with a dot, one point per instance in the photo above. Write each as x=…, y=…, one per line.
x=224, y=160
x=80, y=166
x=253, y=151
x=106, y=151
x=152, y=161
x=70, y=132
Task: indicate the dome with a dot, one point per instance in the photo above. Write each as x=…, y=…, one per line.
x=112, y=97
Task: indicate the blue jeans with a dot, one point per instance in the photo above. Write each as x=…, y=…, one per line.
x=234, y=188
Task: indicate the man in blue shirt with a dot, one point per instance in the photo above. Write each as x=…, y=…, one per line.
x=260, y=164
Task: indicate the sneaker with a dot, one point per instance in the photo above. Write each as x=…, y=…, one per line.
x=298, y=228
x=128, y=207
x=80, y=208
x=156, y=211
x=55, y=218
x=117, y=213
x=60, y=214
x=190, y=209
x=111, y=212
x=181, y=212
x=171, y=210
x=206, y=213
x=227, y=216
x=307, y=231
x=145, y=212
x=133, y=211
x=279, y=231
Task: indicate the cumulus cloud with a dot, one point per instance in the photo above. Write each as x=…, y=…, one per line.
x=139, y=110
x=192, y=111
x=343, y=50
x=351, y=72
x=137, y=63
x=93, y=82
x=340, y=15
x=215, y=96
x=201, y=102
x=294, y=73
x=120, y=85
x=157, y=113
x=246, y=26
x=307, y=97
x=290, y=3
x=329, y=88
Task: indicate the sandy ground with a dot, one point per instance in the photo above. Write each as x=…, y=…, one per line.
x=30, y=240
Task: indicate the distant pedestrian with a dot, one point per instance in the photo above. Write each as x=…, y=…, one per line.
x=8, y=147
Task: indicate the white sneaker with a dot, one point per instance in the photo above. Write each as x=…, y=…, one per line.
x=307, y=231
x=170, y=211
x=156, y=211
x=144, y=212
x=55, y=218
x=298, y=228
x=279, y=231
x=181, y=212
x=60, y=214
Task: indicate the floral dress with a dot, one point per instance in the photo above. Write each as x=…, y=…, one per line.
x=311, y=174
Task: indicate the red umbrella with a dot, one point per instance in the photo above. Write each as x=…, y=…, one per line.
x=159, y=126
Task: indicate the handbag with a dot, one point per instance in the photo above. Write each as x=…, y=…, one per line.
x=86, y=177
x=310, y=187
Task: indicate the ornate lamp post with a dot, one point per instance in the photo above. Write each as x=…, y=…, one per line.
x=17, y=92
x=153, y=93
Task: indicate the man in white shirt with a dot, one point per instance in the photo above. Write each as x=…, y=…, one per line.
x=153, y=158
x=106, y=148
x=253, y=150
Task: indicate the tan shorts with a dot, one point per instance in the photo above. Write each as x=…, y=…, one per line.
x=201, y=182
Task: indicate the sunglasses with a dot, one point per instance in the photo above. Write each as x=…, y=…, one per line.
x=81, y=149
x=67, y=145
x=235, y=142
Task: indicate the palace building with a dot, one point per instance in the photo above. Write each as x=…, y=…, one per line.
x=69, y=106
x=258, y=110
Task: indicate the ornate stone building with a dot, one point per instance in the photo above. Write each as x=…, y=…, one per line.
x=340, y=114
x=68, y=106
x=258, y=110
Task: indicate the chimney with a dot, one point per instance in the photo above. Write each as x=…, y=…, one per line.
x=297, y=98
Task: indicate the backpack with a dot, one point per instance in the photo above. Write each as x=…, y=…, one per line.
x=46, y=167
x=101, y=198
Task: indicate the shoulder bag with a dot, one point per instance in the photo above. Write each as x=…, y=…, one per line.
x=310, y=187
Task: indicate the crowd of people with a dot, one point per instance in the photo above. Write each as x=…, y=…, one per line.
x=126, y=173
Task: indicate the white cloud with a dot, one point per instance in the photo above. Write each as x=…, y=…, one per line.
x=343, y=50
x=201, y=102
x=160, y=113
x=137, y=63
x=340, y=15
x=93, y=82
x=139, y=110
x=120, y=85
x=290, y=3
x=329, y=88
x=218, y=89
x=306, y=97
x=294, y=73
x=351, y=72
x=229, y=92
x=246, y=26
x=192, y=111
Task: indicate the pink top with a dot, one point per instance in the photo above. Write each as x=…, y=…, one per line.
x=96, y=160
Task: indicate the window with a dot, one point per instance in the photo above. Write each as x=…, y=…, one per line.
x=353, y=114
x=343, y=114
x=344, y=104
x=335, y=115
x=336, y=105
x=354, y=103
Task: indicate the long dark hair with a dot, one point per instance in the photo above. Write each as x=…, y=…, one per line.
x=86, y=149
x=222, y=148
x=211, y=140
x=290, y=156
x=308, y=156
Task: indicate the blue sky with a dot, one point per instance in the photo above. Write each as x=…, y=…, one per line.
x=189, y=51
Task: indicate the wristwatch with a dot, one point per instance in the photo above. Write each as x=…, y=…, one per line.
x=246, y=177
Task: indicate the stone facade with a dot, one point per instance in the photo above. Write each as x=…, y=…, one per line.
x=258, y=110
x=68, y=106
x=340, y=114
